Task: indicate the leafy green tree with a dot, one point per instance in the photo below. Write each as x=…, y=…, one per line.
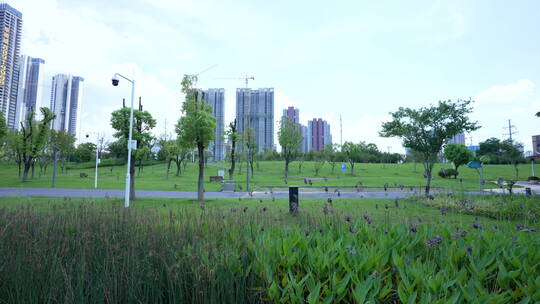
x=232, y=135
x=117, y=149
x=320, y=159
x=85, y=152
x=290, y=141
x=458, y=154
x=143, y=123
x=352, y=153
x=428, y=128
x=63, y=144
x=332, y=155
x=196, y=127
x=13, y=148
x=3, y=129
x=33, y=138
x=248, y=139
x=511, y=154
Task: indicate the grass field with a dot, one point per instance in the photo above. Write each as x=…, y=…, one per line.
x=266, y=174
x=446, y=250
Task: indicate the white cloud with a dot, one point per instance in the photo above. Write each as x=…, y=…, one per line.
x=519, y=92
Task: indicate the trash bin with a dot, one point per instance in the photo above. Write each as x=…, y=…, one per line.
x=293, y=199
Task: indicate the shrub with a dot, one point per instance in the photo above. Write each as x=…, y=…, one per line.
x=533, y=178
x=447, y=173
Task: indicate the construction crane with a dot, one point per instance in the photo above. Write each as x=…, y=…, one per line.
x=245, y=78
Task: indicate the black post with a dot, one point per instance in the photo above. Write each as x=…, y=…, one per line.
x=293, y=199
x=528, y=192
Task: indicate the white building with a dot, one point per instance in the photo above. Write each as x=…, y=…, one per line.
x=66, y=102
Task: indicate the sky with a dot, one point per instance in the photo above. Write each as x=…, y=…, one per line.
x=359, y=60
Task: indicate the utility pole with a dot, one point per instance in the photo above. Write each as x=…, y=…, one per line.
x=510, y=132
x=470, y=138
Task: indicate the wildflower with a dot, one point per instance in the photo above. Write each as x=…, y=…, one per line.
x=347, y=218
x=469, y=249
x=459, y=234
x=450, y=194
x=376, y=206
x=352, y=229
x=386, y=206
x=396, y=204
x=444, y=211
x=264, y=209
x=245, y=209
x=202, y=207
x=386, y=231
x=476, y=226
x=306, y=233
x=329, y=200
x=351, y=250
x=262, y=228
x=435, y=241
x=293, y=250
x=325, y=209
x=367, y=219
x=414, y=229
x=394, y=269
x=320, y=230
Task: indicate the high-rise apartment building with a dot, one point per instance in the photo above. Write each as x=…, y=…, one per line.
x=66, y=102
x=215, y=98
x=319, y=132
x=255, y=110
x=292, y=113
x=30, y=89
x=10, y=43
x=458, y=139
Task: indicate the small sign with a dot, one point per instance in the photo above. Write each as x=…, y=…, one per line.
x=474, y=164
x=343, y=167
x=221, y=173
x=133, y=144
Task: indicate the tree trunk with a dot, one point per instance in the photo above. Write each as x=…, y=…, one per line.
x=352, y=168
x=286, y=168
x=33, y=170
x=517, y=171
x=132, y=182
x=200, y=190
x=27, y=165
x=168, y=167
x=251, y=165
x=19, y=165
x=428, y=183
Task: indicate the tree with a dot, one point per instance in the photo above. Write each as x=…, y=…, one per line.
x=248, y=138
x=458, y=154
x=62, y=147
x=197, y=125
x=290, y=140
x=353, y=153
x=143, y=122
x=34, y=136
x=232, y=135
x=85, y=152
x=511, y=154
x=427, y=129
x=320, y=160
x=3, y=128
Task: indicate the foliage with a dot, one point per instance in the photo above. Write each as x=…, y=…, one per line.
x=232, y=136
x=196, y=127
x=426, y=130
x=458, y=154
x=533, y=178
x=3, y=128
x=447, y=173
x=290, y=140
x=85, y=152
x=353, y=153
x=88, y=252
x=143, y=123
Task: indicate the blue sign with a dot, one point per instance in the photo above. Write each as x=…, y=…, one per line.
x=474, y=164
x=343, y=167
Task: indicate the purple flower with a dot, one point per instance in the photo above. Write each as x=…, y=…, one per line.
x=435, y=241
x=293, y=250
x=394, y=269
x=320, y=230
x=306, y=233
x=459, y=234
x=264, y=209
x=469, y=249
x=386, y=232
x=476, y=226
x=262, y=228
x=352, y=229
x=329, y=200
x=347, y=218
x=414, y=229
x=367, y=219
x=444, y=211
x=350, y=249
x=325, y=209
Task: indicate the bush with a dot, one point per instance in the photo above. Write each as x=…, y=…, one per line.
x=447, y=173
x=533, y=178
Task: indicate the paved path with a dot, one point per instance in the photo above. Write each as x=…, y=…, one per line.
x=62, y=192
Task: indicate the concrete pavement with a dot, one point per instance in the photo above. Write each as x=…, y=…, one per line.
x=66, y=192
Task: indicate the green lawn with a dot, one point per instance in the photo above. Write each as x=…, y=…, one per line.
x=267, y=174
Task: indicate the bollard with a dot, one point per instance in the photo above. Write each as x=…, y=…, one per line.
x=528, y=192
x=293, y=199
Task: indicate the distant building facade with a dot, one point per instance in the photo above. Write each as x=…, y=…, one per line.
x=30, y=89
x=458, y=139
x=319, y=132
x=10, y=44
x=293, y=114
x=216, y=99
x=66, y=102
x=255, y=110
x=536, y=145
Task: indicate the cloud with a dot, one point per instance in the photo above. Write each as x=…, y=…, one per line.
x=518, y=91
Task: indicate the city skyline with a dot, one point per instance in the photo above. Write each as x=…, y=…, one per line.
x=66, y=103
x=438, y=42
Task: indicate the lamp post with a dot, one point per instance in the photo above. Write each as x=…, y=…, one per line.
x=115, y=82
x=98, y=140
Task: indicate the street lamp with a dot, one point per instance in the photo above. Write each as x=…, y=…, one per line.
x=97, y=156
x=115, y=81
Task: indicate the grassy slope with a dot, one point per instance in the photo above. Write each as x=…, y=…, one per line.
x=268, y=174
